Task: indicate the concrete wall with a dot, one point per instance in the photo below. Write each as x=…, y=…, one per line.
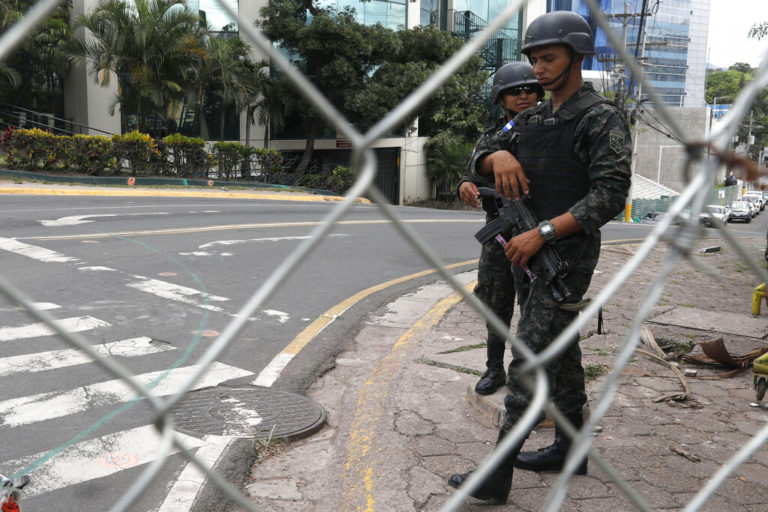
x=85, y=102
x=250, y=11
x=661, y=158
x=414, y=184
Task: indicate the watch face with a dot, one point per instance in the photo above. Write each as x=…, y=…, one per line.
x=546, y=228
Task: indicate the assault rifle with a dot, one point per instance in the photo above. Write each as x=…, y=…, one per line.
x=517, y=215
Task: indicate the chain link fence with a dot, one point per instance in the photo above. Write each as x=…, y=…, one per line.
x=699, y=170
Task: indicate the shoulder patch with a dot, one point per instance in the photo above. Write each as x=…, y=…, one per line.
x=616, y=140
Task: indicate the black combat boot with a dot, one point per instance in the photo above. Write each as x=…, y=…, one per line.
x=552, y=458
x=495, y=488
x=493, y=378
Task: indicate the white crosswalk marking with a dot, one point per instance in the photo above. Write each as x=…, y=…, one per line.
x=45, y=406
x=87, y=460
x=74, y=324
x=34, y=252
x=176, y=292
x=43, y=306
x=54, y=359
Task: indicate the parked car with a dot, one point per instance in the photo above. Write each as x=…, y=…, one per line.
x=713, y=211
x=740, y=210
x=757, y=195
x=753, y=203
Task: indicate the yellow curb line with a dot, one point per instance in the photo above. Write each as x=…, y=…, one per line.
x=286, y=196
x=313, y=329
x=363, y=457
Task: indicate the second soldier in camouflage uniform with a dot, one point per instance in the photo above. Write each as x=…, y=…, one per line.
x=573, y=157
x=514, y=90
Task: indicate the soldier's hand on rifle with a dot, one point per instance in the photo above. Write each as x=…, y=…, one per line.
x=469, y=194
x=508, y=175
x=523, y=247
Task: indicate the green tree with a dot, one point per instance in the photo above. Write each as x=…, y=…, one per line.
x=334, y=51
x=726, y=86
x=32, y=76
x=226, y=73
x=364, y=71
x=759, y=30
x=151, y=46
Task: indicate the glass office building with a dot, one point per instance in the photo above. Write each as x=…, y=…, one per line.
x=390, y=13
x=216, y=17
x=675, y=43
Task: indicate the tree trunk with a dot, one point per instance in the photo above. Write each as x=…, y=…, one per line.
x=221, y=123
x=301, y=170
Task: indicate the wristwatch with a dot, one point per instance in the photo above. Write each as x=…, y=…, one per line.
x=547, y=231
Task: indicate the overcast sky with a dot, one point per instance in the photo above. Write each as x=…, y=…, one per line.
x=729, y=24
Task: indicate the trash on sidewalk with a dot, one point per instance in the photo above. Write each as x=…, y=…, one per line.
x=688, y=455
x=658, y=355
x=715, y=353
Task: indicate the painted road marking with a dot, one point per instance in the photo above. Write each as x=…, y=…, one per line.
x=363, y=458
x=87, y=460
x=45, y=406
x=184, y=491
x=272, y=371
x=74, y=220
x=34, y=252
x=55, y=359
x=40, y=306
x=176, y=292
x=74, y=324
x=268, y=239
x=228, y=227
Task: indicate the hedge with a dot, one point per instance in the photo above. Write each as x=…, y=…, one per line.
x=140, y=154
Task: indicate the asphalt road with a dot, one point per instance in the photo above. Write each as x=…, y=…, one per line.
x=160, y=278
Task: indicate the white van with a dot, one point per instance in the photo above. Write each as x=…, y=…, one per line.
x=757, y=195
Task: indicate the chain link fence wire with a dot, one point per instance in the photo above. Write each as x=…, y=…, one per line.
x=699, y=171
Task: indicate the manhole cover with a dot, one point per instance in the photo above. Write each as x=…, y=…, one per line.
x=256, y=412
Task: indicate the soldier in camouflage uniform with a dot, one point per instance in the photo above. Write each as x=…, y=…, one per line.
x=572, y=155
x=514, y=89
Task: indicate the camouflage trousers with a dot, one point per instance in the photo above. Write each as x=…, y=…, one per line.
x=496, y=288
x=541, y=321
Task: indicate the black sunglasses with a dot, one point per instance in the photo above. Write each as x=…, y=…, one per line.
x=515, y=91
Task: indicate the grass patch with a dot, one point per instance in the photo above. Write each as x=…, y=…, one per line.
x=464, y=348
x=598, y=351
x=593, y=371
x=266, y=448
x=675, y=348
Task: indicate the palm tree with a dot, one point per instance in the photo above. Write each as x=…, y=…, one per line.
x=229, y=74
x=149, y=45
x=32, y=74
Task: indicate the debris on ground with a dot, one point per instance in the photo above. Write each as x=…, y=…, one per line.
x=688, y=455
x=714, y=353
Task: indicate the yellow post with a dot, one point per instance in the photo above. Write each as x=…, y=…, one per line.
x=757, y=296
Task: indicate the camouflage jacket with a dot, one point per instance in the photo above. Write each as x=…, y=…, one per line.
x=491, y=133
x=601, y=141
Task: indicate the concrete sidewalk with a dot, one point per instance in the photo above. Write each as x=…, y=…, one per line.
x=402, y=414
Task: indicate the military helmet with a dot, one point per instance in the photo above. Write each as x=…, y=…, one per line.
x=559, y=27
x=511, y=75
